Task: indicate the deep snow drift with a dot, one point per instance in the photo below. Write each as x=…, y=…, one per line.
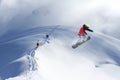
x=97, y=59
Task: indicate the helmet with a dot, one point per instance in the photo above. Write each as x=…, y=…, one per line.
x=87, y=25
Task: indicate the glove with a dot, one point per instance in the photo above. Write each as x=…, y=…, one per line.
x=91, y=30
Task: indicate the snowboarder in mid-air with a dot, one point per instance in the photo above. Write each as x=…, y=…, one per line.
x=83, y=35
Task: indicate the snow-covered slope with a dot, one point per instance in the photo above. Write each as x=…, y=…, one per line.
x=97, y=59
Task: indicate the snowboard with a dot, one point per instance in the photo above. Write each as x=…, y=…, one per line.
x=79, y=43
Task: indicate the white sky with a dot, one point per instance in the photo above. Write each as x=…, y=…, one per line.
x=67, y=12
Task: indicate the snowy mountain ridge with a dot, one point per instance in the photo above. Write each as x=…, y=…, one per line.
x=58, y=59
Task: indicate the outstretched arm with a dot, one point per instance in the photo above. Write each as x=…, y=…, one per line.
x=88, y=29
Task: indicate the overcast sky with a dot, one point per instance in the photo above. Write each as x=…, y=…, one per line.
x=64, y=12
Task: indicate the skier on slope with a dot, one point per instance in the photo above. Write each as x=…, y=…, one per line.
x=47, y=38
x=82, y=32
x=37, y=44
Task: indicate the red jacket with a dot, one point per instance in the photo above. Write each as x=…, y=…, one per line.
x=82, y=31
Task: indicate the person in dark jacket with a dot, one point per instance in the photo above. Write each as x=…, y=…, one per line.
x=37, y=44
